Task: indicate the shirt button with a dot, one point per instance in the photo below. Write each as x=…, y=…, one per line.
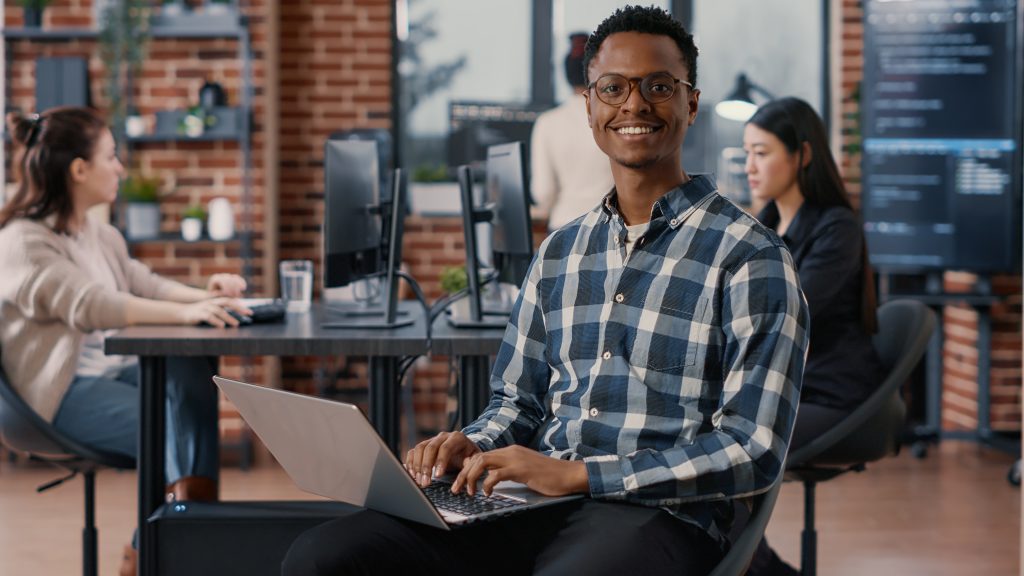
x=593, y=412
x=674, y=222
x=606, y=355
x=616, y=239
x=619, y=298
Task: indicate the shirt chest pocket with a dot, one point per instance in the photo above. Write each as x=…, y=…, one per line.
x=679, y=332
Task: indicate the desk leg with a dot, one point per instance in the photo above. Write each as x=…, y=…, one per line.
x=475, y=390
x=384, y=399
x=150, y=461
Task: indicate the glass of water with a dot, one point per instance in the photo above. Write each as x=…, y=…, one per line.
x=297, y=284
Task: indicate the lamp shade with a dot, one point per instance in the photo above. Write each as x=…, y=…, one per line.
x=739, y=104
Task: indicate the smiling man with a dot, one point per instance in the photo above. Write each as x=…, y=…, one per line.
x=652, y=362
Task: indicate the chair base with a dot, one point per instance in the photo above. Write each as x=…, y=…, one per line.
x=809, y=537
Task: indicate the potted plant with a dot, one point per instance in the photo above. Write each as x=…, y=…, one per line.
x=141, y=210
x=192, y=222
x=33, y=12
x=453, y=280
x=123, y=38
x=195, y=122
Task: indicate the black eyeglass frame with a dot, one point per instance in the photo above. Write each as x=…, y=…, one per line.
x=641, y=83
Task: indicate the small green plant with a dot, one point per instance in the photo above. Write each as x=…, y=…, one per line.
x=194, y=211
x=453, y=279
x=37, y=4
x=430, y=173
x=196, y=121
x=138, y=188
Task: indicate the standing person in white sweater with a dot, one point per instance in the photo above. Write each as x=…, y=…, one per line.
x=569, y=174
x=68, y=281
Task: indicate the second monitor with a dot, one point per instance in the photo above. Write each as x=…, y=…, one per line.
x=507, y=208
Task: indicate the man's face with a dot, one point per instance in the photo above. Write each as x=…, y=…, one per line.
x=638, y=134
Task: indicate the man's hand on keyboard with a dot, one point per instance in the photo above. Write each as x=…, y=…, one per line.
x=549, y=476
x=435, y=456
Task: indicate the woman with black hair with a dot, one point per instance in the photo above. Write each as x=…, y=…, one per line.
x=790, y=166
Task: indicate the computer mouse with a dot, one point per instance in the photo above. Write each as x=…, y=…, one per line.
x=243, y=320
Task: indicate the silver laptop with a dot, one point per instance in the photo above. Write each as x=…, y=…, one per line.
x=330, y=449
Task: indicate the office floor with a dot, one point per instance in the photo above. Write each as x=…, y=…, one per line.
x=950, y=514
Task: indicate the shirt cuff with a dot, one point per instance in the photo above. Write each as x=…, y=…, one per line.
x=605, y=476
x=482, y=441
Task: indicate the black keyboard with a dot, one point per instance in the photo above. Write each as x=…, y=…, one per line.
x=440, y=494
x=273, y=311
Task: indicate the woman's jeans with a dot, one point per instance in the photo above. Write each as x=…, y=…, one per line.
x=103, y=413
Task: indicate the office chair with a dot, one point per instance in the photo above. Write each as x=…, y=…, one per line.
x=873, y=430
x=737, y=560
x=22, y=430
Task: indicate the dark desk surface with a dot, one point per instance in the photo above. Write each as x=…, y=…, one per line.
x=299, y=335
x=451, y=341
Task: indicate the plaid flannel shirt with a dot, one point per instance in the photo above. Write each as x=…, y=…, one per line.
x=673, y=372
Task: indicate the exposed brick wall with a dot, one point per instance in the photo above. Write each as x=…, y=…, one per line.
x=960, y=322
x=191, y=172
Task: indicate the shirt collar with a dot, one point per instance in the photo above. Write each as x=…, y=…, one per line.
x=675, y=205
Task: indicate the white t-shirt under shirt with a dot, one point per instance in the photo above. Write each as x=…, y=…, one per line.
x=633, y=233
x=86, y=253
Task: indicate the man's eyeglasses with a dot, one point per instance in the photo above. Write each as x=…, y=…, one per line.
x=614, y=89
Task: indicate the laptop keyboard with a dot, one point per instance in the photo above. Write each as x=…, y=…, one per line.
x=440, y=494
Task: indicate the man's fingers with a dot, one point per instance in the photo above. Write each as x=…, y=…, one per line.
x=477, y=466
x=494, y=476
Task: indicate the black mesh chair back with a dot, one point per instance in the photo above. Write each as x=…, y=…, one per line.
x=737, y=560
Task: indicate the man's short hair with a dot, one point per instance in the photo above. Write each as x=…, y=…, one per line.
x=646, y=20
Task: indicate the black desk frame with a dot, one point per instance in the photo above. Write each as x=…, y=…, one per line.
x=300, y=337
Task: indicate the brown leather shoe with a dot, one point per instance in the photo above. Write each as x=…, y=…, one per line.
x=129, y=561
x=194, y=488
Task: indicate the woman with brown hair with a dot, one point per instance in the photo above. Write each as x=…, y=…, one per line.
x=68, y=280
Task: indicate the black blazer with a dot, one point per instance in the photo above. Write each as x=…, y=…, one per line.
x=842, y=366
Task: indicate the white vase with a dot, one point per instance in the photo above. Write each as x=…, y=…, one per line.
x=191, y=229
x=221, y=220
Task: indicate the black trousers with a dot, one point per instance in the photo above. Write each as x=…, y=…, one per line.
x=579, y=537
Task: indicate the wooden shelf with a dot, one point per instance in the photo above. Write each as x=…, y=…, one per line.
x=175, y=238
x=51, y=34
x=182, y=138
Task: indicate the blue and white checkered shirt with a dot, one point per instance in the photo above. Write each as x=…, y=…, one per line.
x=673, y=372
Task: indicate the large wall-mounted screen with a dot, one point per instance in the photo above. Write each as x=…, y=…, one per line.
x=941, y=114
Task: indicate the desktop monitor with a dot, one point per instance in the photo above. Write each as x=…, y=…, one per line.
x=474, y=126
x=352, y=202
x=359, y=228
x=506, y=207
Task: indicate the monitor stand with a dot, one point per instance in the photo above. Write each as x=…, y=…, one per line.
x=360, y=316
x=489, y=320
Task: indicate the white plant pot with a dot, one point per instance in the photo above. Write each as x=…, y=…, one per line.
x=460, y=310
x=142, y=220
x=191, y=229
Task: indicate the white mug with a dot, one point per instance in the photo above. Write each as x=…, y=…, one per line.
x=221, y=221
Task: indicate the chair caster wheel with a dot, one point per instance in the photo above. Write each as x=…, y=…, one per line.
x=919, y=450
